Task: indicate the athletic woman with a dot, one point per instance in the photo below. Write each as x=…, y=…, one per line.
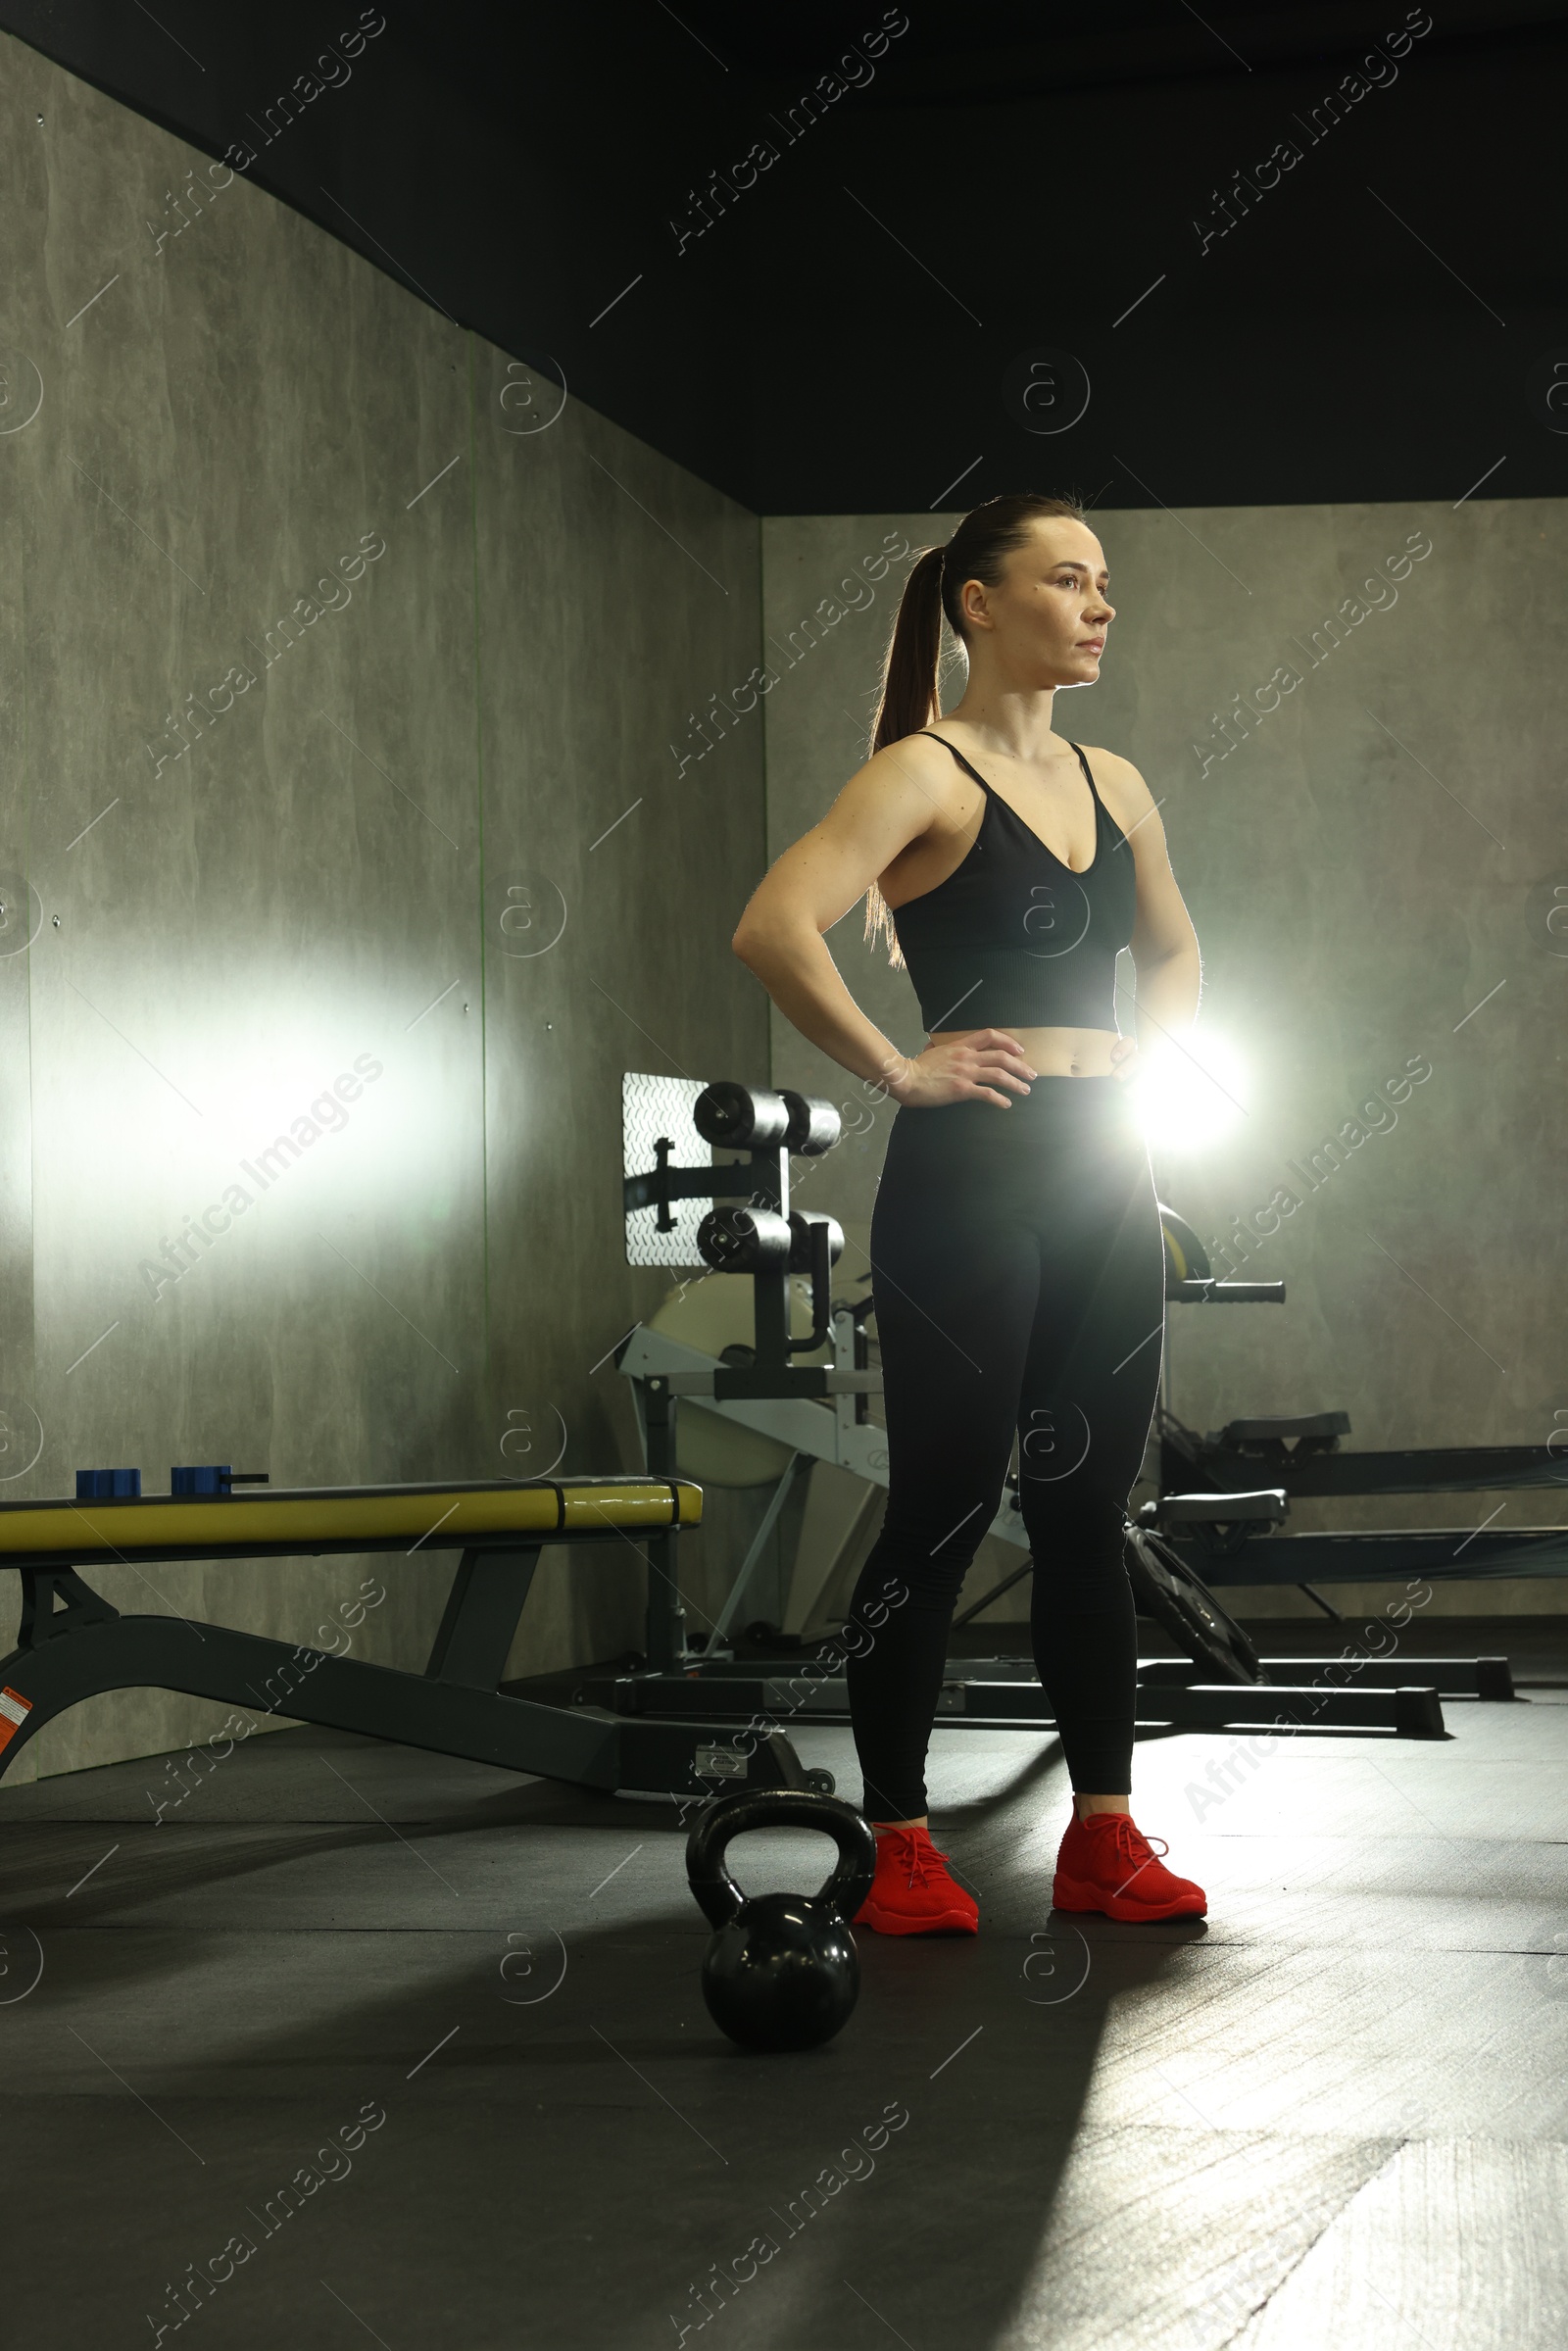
x=1018, y=1265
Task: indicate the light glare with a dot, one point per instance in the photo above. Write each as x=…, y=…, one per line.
x=1190, y=1096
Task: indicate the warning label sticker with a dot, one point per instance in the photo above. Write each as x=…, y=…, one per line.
x=13, y=1711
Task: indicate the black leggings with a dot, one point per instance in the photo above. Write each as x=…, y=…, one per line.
x=1018, y=1272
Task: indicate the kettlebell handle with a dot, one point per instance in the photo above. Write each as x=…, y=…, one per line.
x=717, y=1892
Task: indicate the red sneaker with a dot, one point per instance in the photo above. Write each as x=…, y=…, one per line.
x=1108, y=1864
x=912, y=1892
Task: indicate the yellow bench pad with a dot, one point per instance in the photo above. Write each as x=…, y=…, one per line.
x=444, y=1515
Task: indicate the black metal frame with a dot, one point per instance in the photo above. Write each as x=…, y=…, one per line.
x=1258, y=1467
x=677, y=1679
x=73, y=1644
x=762, y=1179
x=1174, y=1698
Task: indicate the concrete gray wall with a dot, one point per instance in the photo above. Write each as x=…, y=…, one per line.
x=439, y=639
x=339, y=646
x=1370, y=868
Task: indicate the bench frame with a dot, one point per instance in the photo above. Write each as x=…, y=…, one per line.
x=73, y=1644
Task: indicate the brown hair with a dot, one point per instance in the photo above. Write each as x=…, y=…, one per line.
x=977, y=550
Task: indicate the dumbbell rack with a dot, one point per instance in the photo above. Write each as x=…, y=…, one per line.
x=768, y=1241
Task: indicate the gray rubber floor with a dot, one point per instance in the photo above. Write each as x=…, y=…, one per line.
x=459, y=2013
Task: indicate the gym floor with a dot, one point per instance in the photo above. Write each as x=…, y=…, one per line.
x=461, y=2013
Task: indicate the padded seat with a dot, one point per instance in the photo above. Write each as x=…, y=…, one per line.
x=484, y=1514
x=1277, y=1430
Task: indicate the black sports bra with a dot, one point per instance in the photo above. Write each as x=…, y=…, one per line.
x=1013, y=938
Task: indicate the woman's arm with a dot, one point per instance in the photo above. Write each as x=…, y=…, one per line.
x=892, y=801
x=1164, y=945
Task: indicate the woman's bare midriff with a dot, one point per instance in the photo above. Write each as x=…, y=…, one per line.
x=1054, y=1052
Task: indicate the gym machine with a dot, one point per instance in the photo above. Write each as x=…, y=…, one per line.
x=1258, y=1466
x=735, y=1216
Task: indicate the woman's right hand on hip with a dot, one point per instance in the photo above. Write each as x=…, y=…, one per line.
x=987, y=1065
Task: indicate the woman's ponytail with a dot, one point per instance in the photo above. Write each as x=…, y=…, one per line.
x=908, y=699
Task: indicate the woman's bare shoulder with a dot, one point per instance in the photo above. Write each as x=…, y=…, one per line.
x=915, y=763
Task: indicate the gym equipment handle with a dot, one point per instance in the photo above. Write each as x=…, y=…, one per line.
x=721, y=1899
x=816, y=1244
x=1225, y=1293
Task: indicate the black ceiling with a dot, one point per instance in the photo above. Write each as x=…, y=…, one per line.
x=997, y=254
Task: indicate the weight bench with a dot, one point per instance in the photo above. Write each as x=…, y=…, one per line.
x=1224, y=1495
x=72, y=1645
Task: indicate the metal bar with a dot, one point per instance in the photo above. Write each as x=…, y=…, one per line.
x=1415, y=1713
x=1412, y=1469
x=1199, y=1706
x=480, y=1617
x=995, y=1591
x=726, y=1177
x=1208, y=1289
x=304, y=1685
x=753, y=1559
x=1450, y=1677
x=1384, y=1557
x=725, y=1696
x=665, y=1635
x=246, y=1670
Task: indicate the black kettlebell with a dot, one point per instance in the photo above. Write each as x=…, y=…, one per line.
x=781, y=1971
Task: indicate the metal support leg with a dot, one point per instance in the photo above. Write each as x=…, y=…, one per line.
x=55, y=1601
x=994, y=1593
x=667, y=1618
x=689, y=1761
x=753, y=1561
x=481, y=1616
